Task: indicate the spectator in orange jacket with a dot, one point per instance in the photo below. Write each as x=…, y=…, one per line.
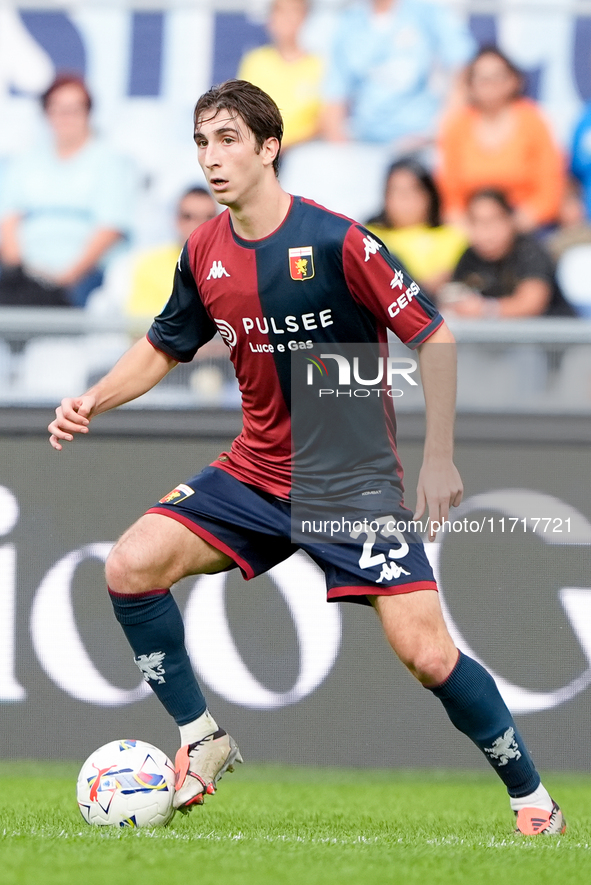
x=500, y=140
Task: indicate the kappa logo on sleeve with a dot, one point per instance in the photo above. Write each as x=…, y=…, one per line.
x=371, y=247
x=180, y=493
x=301, y=263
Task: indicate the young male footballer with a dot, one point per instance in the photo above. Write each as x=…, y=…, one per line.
x=276, y=274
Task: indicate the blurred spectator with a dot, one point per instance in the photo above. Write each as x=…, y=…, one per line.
x=153, y=270
x=380, y=84
x=410, y=225
x=503, y=273
x=63, y=206
x=500, y=140
x=574, y=228
x=138, y=283
x=290, y=75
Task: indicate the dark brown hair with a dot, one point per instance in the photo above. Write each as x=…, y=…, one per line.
x=66, y=80
x=257, y=109
x=427, y=183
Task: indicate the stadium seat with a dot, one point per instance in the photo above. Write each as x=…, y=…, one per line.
x=52, y=367
x=347, y=178
x=63, y=365
x=5, y=362
x=572, y=389
x=573, y=272
x=500, y=377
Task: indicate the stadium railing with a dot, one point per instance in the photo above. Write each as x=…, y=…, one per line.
x=533, y=366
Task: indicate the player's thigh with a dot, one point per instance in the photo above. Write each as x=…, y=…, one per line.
x=159, y=551
x=415, y=628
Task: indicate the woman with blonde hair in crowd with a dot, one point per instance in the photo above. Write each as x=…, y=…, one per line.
x=500, y=139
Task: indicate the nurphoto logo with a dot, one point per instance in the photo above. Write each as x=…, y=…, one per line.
x=344, y=372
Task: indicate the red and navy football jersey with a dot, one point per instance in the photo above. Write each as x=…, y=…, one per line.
x=319, y=279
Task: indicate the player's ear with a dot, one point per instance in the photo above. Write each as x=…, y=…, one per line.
x=269, y=151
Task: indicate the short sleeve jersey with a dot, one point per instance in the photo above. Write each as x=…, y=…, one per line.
x=318, y=279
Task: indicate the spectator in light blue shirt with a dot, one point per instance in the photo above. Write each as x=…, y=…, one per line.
x=386, y=57
x=64, y=206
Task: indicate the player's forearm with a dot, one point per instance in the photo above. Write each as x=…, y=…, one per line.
x=138, y=371
x=437, y=358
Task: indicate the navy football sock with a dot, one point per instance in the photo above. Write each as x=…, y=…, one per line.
x=475, y=706
x=154, y=628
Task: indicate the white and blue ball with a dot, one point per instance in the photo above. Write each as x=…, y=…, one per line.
x=126, y=783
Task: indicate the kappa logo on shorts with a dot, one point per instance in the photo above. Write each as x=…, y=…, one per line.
x=391, y=571
x=180, y=493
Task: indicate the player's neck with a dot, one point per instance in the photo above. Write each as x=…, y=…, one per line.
x=262, y=214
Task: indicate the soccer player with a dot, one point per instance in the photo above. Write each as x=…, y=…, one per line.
x=274, y=273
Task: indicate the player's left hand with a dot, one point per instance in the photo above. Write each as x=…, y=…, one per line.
x=439, y=488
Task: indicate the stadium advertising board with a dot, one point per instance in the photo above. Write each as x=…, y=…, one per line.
x=294, y=678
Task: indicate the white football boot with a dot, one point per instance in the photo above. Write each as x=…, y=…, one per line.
x=200, y=765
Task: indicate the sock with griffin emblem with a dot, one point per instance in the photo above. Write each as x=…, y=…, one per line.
x=475, y=706
x=154, y=628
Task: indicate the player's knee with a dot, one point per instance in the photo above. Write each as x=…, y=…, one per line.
x=431, y=663
x=121, y=571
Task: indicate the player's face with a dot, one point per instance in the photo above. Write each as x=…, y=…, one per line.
x=234, y=166
x=492, y=230
x=407, y=202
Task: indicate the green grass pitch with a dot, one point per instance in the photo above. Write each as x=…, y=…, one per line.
x=278, y=825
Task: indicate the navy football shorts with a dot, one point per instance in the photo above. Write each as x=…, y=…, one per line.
x=365, y=555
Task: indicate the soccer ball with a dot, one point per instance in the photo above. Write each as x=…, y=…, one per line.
x=126, y=784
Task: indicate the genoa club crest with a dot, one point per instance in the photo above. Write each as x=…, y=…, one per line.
x=301, y=263
x=181, y=493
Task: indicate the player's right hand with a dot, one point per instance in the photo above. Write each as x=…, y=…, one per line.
x=72, y=416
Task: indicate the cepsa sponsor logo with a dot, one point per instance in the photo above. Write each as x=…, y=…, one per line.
x=403, y=299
